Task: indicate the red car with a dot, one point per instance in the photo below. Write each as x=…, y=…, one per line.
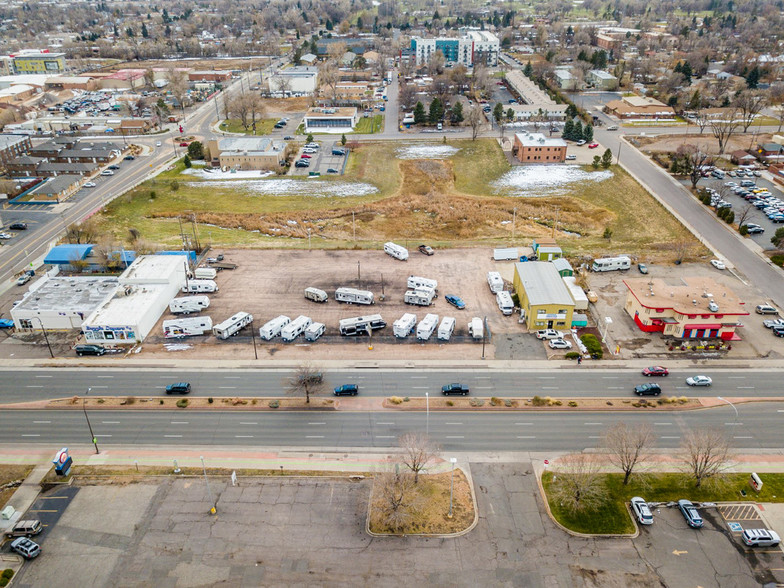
x=593, y=145
x=305, y=156
x=655, y=370
x=183, y=144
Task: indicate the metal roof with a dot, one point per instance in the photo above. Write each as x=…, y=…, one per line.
x=65, y=254
x=543, y=284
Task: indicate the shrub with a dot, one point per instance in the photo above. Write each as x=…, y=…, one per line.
x=450, y=403
x=476, y=402
x=152, y=194
x=592, y=344
x=210, y=400
x=174, y=185
x=572, y=355
x=558, y=403
x=683, y=400
x=730, y=217
x=396, y=400
x=507, y=403
x=744, y=230
x=7, y=573
x=548, y=400
x=160, y=401
x=777, y=260
x=572, y=403
x=100, y=401
x=495, y=401
x=406, y=399
x=636, y=404
x=4, y=581
x=130, y=400
x=182, y=403
x=274, y=404
x=609, y=403
x=538, y=401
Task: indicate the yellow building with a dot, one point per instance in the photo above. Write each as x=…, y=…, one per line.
x=544, y=298
x=39, y=63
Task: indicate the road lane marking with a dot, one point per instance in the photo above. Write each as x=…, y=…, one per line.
x=232, y=377
x=178, y=423
x=549, y=387
x=385, y=436
x=172, y=435
x=412, y=387
x=30, y=435
x=42, y=422
x=248, y=423
x=455, y=437
x=483, y=377
x=733, y=424
x=610, y=377
x=314, y=436
x=99, y=387
x=523, y=423
x=243, y=436
x=227, y=387
x=736, y=377
x=594, y=437
x=615, y=387
x=110, y=422
x=663, y=437
x=483, y=387
x=385, y=423
x=526, y=437
x=662, y=424
x=749, y=437
x=34, y=386
x=547, y=377
x=745, y=387
x=101, y=435
x=44, y=376
x=419, y=377
x=594, y=424
x=454, y=423
x=101, y=376
x=317, y=423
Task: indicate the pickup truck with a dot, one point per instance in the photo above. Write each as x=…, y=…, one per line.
x=450, y=389
x=548, y=334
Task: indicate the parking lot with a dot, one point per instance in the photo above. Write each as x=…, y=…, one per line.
x=323, y=160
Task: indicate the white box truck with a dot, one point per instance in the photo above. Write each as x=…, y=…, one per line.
x=205, y=273
x=415, y=282
x=200, y=286
x=272, y=328
x=295, y=328
x=353, y=296
x=187, y=327
x=404, y=326
x=232, y=325
x=420, y=296
x=314, y=331
x=609, y=264
x=396, y=251
x=316, y=295
x=495, y=281
x=361, y=325
x=427, y=326
x=446, y=328
x=476, y=328
x=189, y=304
x=504, y=301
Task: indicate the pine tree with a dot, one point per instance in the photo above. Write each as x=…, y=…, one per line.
x=607, y=159
x=568, y=130
x=678, y=68
x=577, y=133
x=510, y=114
x=588, y=133
x=145, y=33
x=457, y=112
x=687, y=72
x=571, y=111
x=498, y=112
x=529, y=70
x=436, y=111
x=419, y=113
x=752, y=80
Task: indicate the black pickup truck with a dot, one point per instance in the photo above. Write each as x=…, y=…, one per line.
x=450, y=389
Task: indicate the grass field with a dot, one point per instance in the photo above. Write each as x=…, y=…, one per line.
x=614, y=517
x=11, y=473
x=263, y=127
x=370, y=125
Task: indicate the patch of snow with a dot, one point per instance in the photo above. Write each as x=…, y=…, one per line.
x=287, y=187
x=218, y=174
x=177, y=346
x=426, y=152
x=545, y=180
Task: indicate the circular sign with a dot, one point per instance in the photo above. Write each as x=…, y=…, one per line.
x=62, y=457
x=547, y=462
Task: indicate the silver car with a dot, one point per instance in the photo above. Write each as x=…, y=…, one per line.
x=699, y=381
x=641, y=511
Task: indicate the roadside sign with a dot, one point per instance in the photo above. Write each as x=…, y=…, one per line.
x=546, y=462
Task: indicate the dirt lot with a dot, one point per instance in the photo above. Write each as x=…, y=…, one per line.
x=670, y=143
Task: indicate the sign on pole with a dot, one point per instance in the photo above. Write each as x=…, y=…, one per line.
x=234, y=478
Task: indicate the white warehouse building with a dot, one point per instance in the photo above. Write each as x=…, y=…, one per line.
x=294, y=80
x=144, y=292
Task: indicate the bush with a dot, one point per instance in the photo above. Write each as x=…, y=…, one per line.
x=406, y=399
x=396, y=400
x=160, y=401
x=730, y=217
x=475, y=402
x=572, y=403
x=557, y=403
x=4, y=581
x=538, y=401
x=210, y=400
x=744, y=230
x=777, y=260
x=508, y=403
x=274, y=404
x=182, y=403
x=7, y=573
x=130, y=400
x=495, y=401
x=572, y=355
x=174, y=185
x=450, y=403
x=592, y=344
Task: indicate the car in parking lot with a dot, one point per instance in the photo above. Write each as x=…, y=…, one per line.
x=184, y=144
x=718, y=264
x=571, y=157
x=426, y=249
x=6, y=235
x=89, y=184
x=346, y=390
x=309, y=150
x=23, y=279
x=768, y=324
x=647, y=390
x=593, y=145
x=778, y=331
x=698, y=381
x=336, y=151
x=766, y=309
x=547, y=334
x=113, y=166
x=689, y=512
x=18, y=226
x=655, y=370
x=178, y=388
x=559, y=344
x=760, y=538
x=158, y=143
x=612, y=128
x=581, y=142
x=641, y=511
x=107, y=172
x=129, y=158
x=305, y=156
x=332, y=170
x=302, y=163
x=25, y=547
x=754, y=229
x=642, y=268
x=455, y=301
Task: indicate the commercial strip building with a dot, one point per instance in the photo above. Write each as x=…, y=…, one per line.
x=330, y=120
x=536, y=148
x=638, y=107
x=246, y=153
x=545, y=300
x=537, y=102
x=698, y=309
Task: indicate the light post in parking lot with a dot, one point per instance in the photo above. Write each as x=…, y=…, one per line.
x=514, y=222
x=89, y=426
x=735, y=422
x=607, y=322
x=308, y=239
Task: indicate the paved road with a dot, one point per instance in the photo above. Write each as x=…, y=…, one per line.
x=757, y=426
x=28, y=385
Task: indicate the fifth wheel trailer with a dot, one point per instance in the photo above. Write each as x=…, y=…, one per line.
x=420, y=296
x=200, y=286
x=295, y=328
x=361, y=325
x=353, y=296
x=187, y=327
x=189, y=304
x=232, y=325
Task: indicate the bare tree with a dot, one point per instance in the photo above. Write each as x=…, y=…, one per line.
x=178, y=84
x=777, y=100
x=418, y=452
x=83, y=232
x=693, y=158
x=256, y=108
x=474, y=121
x=724, y=127
x=577, y=483
x=396, y=498
x=701, y=118
x=436, y=63
x=240, y=108
x=705, y=454
x=328, y=77
x=306, y=380
x=628, y=446
x=750, y=103
x=745, y=214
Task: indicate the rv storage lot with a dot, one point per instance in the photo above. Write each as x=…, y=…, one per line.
x=269, y=283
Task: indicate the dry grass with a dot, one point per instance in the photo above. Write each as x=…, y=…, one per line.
x=11, y=473
x=544, y=402
x=194, y=402
x=432, y=517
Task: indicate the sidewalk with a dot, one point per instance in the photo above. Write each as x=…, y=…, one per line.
x=26, y=494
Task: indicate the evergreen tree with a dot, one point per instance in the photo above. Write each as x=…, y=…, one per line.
x=529, y=70
x=695, y=101
x=607, y=159
x=678, y=68
x=588, y=133
x=359, y=23
x=457, y=112
x=328, y=25
x=510, y=114
x=186, y=161
x=571, y=111
x=568, y=130
x=498, y=112
x=597, y=161
x=343, y=140
x=436, y=111
x=752, y=80
x=577, y=134
x=687, y=72
x=419, y=113
x=145, y=33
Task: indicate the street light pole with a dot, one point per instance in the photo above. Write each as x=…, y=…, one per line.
x=453, y=461
x=46, y=337
x=253, y=337
x=89, y=426
x=213, y=507
x=735, y=422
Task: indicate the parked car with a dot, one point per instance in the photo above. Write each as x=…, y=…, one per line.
x=22, y=280
x=548, y=334
x=690, y=513
x=288, y=138
x=90, y=184
x=332, y=170
x=129, y=158
x=346, y=390
x=613, y=128
x=158, y=143
x=699, y=381
x=426, y=249
x=113, y=166
x=753, y=229
x=593, y=145
x=302, y=163
x=718, y=264
x=18, y=226
x=25, y=547
x=455, y=301
x=778, y=331
x=647, y=390
x=655, y=370
x=184, y=144
x=305, y=156
x=179, y=388
x=581, y=142
x=571, y=157
x=643, y=269
x=559, y=344
x=641, y=511
x=107, y=172
x=760, y=538
x=768, y=324
x=89, y=350
x=337, y=151
x=6, y=236
x=765, y=309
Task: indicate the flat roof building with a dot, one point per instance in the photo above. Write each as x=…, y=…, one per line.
x=246, y=153
x=330, y=120
x=536, y=148
x=545, y=300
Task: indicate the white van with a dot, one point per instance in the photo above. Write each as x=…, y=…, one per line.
x=505, y=303
x=205, y=273
x=427, y=326
x=295, y=328
x=446, y=328
x=476, y=328
x=495, y=281
x=316, y=295
x=200, y=286
x=272, y=328
x=404, y=326
x=396, y=251
x=314, y=331
x=416, y=282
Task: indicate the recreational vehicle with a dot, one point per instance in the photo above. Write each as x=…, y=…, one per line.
x=415, y=282
x=446, y=328
x=404, y=326
x=205, y=273
x=314, y=331
x=608, y=264
x=187, y=327
x=232, y=325
x=353, y=296
x=189, y=304
x=295, y=328
x=427, y=326
x=504, y=301
x=495, y=281
x=361, y=325
x=420, y=296
x=200, y=286
x=316, y=295
x=396, y=251
x=476, y=328
x=272, y=328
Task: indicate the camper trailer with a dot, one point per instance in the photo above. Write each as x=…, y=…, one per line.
x=232, y=325
x=420, y=296
x=476, y=328
x=205, y=273
x=272, y=328
x=404, y=326
x=495, y=281
x=295, y=328
x=415, y=282
x=187, y=327
x=316, y=295
x=396, y=251
x=200, y=286
x=189, y=304
x=504, y=301
x=352, y=296
x=446, y=328
x=427, y=326
x=314, y=331
x=361, y=325
x=608, y=264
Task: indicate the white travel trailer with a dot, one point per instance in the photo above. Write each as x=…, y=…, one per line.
x=314, y=331
x=187, y=327
x=476, y=328
x=232, y=325
x=505, y=303
x=205, y=273
x=189, y=304
x=415, y=282
x=420, y=296
x=495, y=281
x=446, y=328
x=404, y=326
x=361, y=325
x=396, y=251
x=316, y=295
x=427, y=326
x=608, y=264
x=295, y=328
x=272, y=328
x=353, y=296
x=200, y=286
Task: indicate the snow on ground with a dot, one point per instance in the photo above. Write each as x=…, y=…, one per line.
x=304, y=187
x=545, y=180
x=217, y=174
x=426, y=152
